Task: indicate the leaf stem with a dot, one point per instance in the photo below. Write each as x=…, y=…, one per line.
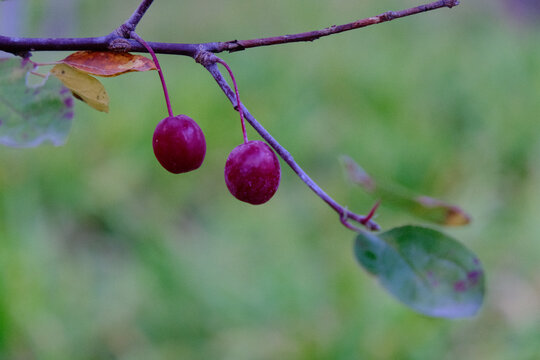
x=36, y=64
x=134, y=35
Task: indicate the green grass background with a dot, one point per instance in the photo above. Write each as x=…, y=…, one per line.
x=105, y=255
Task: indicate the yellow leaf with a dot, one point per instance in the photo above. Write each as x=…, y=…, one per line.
x=83, y=86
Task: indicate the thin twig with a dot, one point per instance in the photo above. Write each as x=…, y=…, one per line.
x=343, y=212
x=238, y=45
x=126, y=28
x=118, y=41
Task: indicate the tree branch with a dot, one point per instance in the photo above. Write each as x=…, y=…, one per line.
x=208, y=60
x=118, y=39
x=238, y=45
x=111, y=42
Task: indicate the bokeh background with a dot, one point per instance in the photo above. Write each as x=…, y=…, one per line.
x=105, y=255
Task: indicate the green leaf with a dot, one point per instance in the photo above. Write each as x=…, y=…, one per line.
x=425, y=269
x=32, y=115
x=424, y=207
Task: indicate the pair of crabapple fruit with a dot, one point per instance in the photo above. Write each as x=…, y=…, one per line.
x=252, y=171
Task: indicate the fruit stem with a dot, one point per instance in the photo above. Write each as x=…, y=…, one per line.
x=238, y=103
x=134, y=35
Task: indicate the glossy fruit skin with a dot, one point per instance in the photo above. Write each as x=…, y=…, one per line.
x=179, y=144
x=252, y=172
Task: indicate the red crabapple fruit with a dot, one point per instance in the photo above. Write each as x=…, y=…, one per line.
x=179, y=144
x=252, y=172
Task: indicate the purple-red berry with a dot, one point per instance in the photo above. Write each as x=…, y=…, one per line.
x=252, y=172
x=179, y=144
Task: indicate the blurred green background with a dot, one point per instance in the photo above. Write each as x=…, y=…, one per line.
x=105, y=255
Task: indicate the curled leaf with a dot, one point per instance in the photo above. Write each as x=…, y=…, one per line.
x=31, y=115
x=108, y=63
x=425, y=269
x=83, y=86
x=441, y=212
x=425, y=207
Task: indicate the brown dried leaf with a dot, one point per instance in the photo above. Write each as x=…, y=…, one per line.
x=108, y=63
